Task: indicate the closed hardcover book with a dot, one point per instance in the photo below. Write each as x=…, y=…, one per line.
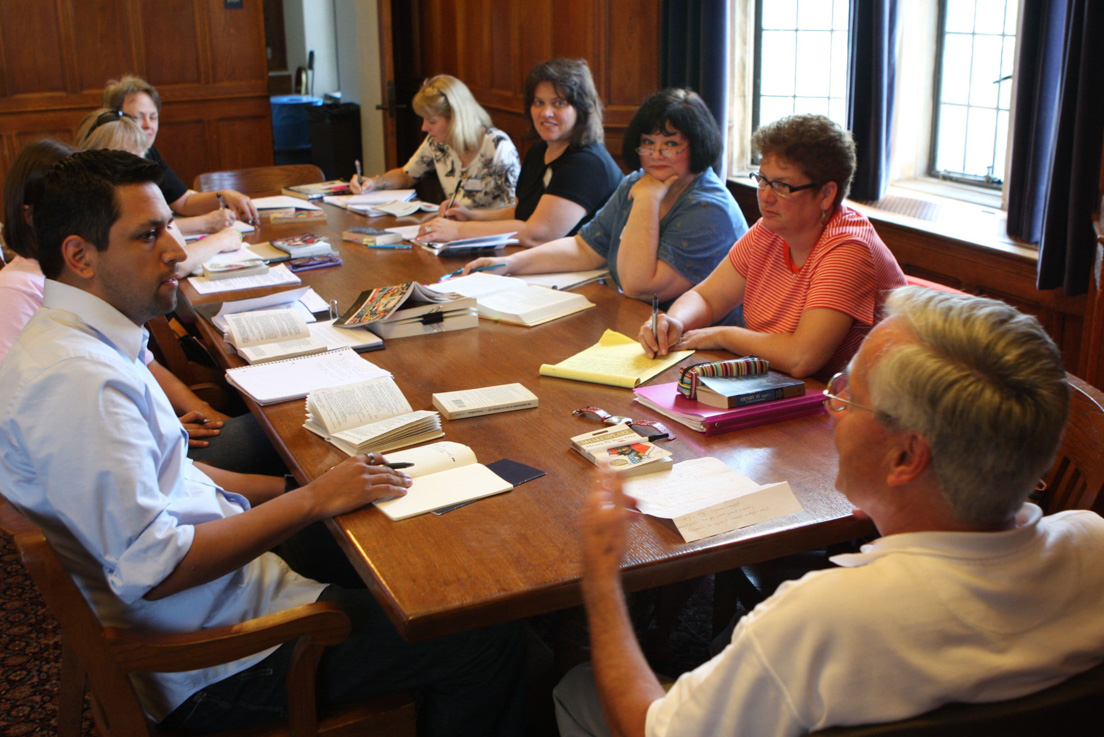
x=370, y=236
x=726, y=392
x=484, y=401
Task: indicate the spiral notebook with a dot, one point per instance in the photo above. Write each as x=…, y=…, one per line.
x=294, y=378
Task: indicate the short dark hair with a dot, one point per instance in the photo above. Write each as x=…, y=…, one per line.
x=23, y=178
x=77, y=197
x=683, y=111
x=815, y=144
x=116, y=91
x=572, y=80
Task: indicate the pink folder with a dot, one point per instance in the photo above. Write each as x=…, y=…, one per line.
x=665, y=399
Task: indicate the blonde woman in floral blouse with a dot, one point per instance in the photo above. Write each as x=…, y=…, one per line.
x=461, y=145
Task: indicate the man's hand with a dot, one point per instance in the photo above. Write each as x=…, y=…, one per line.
x=201, y=425
x=356, y=482
x=603, y=523
x=667, y=335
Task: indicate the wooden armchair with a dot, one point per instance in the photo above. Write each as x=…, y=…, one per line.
x=104, y=656
x=259, y=181
x=1076, y=480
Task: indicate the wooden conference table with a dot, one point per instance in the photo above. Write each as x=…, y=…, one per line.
x=517, y=554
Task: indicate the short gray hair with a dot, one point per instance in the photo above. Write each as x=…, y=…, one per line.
x=984, y=384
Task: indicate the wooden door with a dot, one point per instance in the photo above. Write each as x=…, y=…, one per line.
x=400, y=69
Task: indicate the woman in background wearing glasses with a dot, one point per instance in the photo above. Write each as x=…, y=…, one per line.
x=567, y=174
x=116, y=130
x=460, y=145
x=200, y=212
x=668, y=224
x=811, y=274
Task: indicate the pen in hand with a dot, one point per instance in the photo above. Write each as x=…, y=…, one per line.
x=655, y=321
x=398, y=465
x=359, y=172
x=455, y=192
x=222, y=202
x=458, y=272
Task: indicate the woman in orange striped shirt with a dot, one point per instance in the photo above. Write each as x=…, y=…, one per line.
x=811, y=274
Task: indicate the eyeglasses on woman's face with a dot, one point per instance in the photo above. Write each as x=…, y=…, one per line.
x=782, y=189
x=669, y=149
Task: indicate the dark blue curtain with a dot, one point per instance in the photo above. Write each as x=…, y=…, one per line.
x=694, y=54
x=871, y=81
x=1056, y=144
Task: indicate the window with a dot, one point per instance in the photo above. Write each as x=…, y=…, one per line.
x=953, y=90
x=974, y=79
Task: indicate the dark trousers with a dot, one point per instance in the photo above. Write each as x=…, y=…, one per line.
x=471, y=683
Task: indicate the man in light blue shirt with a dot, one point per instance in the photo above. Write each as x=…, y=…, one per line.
x=157, y=542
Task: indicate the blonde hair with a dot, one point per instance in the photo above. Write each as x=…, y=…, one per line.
x=111, y=129
x=984, y=384
x=445, y=96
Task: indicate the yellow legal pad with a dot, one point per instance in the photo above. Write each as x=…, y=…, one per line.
x=616, y=360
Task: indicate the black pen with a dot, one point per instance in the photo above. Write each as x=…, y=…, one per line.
x=455, y=192
x=398, y=465
x=655, y=317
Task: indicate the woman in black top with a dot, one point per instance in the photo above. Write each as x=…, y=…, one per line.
x=567, y=175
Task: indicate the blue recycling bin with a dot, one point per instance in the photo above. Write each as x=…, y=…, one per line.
x=291, y=136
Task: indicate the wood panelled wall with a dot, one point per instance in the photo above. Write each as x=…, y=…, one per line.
x=492, y=44
x=207, y=62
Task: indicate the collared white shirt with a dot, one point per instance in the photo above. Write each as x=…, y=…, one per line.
x=93, y=453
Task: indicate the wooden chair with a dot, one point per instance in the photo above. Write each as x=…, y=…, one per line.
x=104, y=656
x=1076, y=480
x=259, y=181
x=206, y=381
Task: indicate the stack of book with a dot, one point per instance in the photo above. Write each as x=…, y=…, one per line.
x=469, y=246
x=404, y=310
x=511, y=300
x=732, y=403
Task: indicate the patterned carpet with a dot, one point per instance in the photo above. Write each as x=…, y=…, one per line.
x=30, y=654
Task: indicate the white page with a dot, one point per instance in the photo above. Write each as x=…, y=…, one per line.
x=769, y=502
x=353, y=405
x=295, y=378
x=408, y=232
x=479, y=284
x=368, y=199
x=444, y=490
x=689, y=486
x=265, y=326
x=419, y=422
x=324, y=331
x=279, y=202
x=276, y=276
x=565, y=279
x=292, y=298
x=434, y=458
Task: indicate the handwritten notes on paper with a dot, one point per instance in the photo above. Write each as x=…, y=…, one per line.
x=704, y=497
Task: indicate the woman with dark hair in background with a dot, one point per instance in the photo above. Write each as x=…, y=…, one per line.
x=668, y=224
x=811, y=274
x=567, y=175
x=201, y=212
x=460, y=145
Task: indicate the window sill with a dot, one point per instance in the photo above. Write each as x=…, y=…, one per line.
x=966, y=223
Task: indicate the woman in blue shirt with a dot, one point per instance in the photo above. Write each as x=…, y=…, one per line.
x=668, y=224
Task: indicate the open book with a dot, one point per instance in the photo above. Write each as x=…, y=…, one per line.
x=369, y=417
x=409, y=309
x=511, y=300
x=271, y=335
x=444, y=474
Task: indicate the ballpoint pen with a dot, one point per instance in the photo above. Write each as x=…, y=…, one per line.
x=458, y=272
x=391, y=246
x=222, y=203
x=359, y=173
x=655, y=317
x=455, y=192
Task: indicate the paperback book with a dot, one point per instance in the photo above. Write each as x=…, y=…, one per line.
x=369, y=417
x=510, y=300
x=484, y=401
x=619, y=449
x=409, y=309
